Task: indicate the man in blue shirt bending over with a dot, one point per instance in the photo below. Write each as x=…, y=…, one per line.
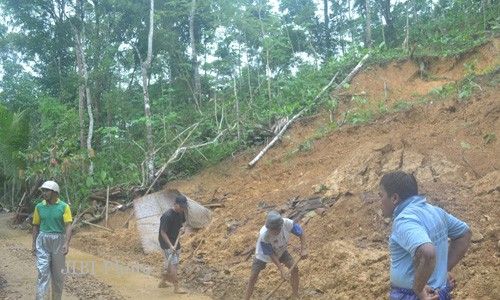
x=421, y=255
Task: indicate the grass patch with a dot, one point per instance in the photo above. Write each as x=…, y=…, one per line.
x=402, y=105
x=359, y=117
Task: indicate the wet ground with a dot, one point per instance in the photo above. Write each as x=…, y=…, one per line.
x=89, y=276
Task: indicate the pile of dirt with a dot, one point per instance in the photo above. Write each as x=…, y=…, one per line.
x=451, y=146
x=85, y=286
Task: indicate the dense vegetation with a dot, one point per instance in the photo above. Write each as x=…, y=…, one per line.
x=94, y=94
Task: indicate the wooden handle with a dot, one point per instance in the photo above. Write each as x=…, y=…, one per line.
x=283, y=281
x=174, y=248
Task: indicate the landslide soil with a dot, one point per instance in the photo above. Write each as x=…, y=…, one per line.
x=450, y=144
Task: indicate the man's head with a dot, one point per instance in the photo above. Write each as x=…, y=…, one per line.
x=180, y=203
x=50, y=190
x=274, y=221
x=394, y=188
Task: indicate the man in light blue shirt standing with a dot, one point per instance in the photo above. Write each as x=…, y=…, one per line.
x=421, y=255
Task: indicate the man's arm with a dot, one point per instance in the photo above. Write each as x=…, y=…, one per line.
x=165, y=238
x=69, y=233
x=423, y=264
x=36, y=230
x=275, y=259
x=298, y=231
x=457, y=249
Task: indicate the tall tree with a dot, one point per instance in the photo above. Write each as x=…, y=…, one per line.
x=327, y=33
x=145, y=67
x=390, y=31
x=83, y=89
x=368, y=38
x=194, y=56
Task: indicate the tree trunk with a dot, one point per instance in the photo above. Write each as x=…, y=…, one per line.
x=368, y=32
x=352, y=27
x=407, y=30
x=81, y=102
x=268, y=68
x=145, y=66
x=328, y=45
x=194, y=57
x=84, y=86
x=237, y=106
x=390, y=32
x=81, y=92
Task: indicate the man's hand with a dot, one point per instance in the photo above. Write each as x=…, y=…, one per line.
x=451, y=281
x=65, y=249
x=428, y=294
x=304, y=253
x=284, y=274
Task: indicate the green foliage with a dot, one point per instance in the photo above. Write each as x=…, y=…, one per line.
x=382, y=108
x=323, y=131
x=359, y=117
x=489, y=138
x=40, y=129
x=443, y=91
x=467, y=86
x=306, y=146
x=402, y=105
x=465, y=145
x=14, y=137
x=57, y=120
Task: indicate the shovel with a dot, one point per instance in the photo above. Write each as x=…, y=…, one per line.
x=169, y=259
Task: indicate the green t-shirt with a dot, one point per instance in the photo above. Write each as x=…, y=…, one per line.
x=52, y=217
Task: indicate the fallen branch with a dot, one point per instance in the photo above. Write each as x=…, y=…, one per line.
x=178, y=155
x=276, y=138
x=128, y=219
x=326, y=87
x=283, y=129
x=97, y=226
x=196, y=249
x=353, y=72
x=212, y=205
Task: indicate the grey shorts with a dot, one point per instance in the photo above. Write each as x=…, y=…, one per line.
x=259, y=265
x=174, y=260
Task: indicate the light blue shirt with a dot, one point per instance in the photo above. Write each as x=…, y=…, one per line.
x=415, y=223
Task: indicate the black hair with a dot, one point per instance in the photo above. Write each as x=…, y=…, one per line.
x=181, y=199
x=401, y=183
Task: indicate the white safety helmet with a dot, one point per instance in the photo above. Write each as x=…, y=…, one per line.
x=50, y=185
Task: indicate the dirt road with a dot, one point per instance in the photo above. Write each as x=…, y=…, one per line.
x=89, y=277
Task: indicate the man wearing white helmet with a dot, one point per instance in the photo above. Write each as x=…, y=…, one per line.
x=51, y=235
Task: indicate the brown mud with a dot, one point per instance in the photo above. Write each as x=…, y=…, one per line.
x=450, y=144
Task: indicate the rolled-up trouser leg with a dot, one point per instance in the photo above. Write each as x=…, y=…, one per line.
x=50, y=263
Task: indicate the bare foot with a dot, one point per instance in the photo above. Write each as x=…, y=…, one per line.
x=178, y=290
x=163, y=284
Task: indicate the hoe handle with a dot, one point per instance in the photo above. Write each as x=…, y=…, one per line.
x=282, y=281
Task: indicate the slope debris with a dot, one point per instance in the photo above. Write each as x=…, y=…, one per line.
x=450, y=145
